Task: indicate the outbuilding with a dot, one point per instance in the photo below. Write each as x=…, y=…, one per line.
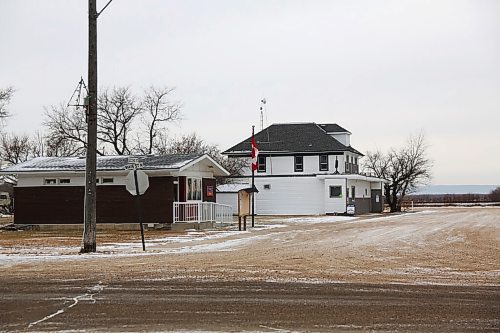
x=50, y=190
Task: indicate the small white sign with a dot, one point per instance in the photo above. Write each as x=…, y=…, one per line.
x=142, y=181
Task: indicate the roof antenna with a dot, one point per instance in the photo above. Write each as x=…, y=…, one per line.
x=78, y=98
x=262, y=109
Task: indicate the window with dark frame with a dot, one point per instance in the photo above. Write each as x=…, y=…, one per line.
x=262, y=164
x=64, y=181
x=335, y=191
x=353, y=192
x=323, y=162
x=299, y=163
x=50, y=181
x=194, y=186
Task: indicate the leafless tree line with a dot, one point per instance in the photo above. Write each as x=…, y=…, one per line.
x=448, y=198
x=127, y=124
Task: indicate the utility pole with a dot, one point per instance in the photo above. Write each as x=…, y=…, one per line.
x=89, y=228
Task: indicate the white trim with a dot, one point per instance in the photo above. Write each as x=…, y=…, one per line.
x=223, y=171
x=353, y=177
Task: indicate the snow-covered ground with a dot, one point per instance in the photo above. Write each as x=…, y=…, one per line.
x=428, y=246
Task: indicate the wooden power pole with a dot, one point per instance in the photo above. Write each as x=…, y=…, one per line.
x=89, y=231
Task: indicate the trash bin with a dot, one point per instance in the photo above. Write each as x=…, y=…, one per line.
x=351, y=209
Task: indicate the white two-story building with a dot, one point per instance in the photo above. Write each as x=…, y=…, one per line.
x=308, y=168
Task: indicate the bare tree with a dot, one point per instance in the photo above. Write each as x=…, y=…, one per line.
x=405, y=169
x=126, y=124
x=5, y=97
x=116, y=112
x=495, y=195
x=192, y=144
x=158, y=111
x=15, y=148
x=67, y=131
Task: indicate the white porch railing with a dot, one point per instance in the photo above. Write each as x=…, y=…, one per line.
x=202, y=212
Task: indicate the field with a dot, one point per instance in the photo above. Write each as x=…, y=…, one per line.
x=430, y=270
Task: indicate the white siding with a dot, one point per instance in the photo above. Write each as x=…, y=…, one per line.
x=285, y=165
x=361, y=186
x=343, y=138
x=229, y=198
x=75, y=180
x=335, y=205
x=290, y=196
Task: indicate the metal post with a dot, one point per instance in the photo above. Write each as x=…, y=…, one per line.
x=89, y=231
x=139, y=211
x=253, y=186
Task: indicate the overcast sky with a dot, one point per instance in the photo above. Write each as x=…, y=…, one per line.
x=381, y=69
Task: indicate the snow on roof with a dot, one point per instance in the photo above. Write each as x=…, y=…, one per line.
x=232, y=188
x=104, y=163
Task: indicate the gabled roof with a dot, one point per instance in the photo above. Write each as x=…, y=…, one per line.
x=111, y=163
x=293, y=138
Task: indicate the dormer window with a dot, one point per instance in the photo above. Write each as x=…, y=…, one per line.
x=323, y=162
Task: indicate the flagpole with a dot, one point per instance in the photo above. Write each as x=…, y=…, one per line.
x=253, y=186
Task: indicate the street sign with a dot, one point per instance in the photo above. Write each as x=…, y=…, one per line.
x=142, y=182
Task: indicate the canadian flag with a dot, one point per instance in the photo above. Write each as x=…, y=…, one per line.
x=255, y=154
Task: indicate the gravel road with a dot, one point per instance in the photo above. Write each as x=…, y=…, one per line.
x=432, y=270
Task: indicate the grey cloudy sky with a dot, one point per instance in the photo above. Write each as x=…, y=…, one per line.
x=381, y=69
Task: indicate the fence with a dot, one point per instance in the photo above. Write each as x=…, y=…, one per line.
x=202, y=212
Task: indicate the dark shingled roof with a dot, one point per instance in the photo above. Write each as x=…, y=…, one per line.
x=293, y=138
x=333, y=128
x=104, y=163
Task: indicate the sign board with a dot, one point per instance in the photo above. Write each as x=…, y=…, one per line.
x=243, y=203
x=210, y=191
x=350, y=209
x=142, y=181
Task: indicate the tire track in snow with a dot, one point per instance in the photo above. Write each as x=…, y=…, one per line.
x=85, y=297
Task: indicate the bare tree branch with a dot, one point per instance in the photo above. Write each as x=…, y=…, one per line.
x=116, y=112
x=405, y=169
x=158, y=111
x=67, y=131
x=5, y=98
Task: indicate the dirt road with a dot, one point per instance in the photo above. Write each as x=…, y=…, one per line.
x=435, y=270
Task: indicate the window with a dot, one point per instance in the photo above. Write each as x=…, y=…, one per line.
x=347, y=158
x=50, y=181
x=353, y=192
x=267, y=186
x=194, y=188
x=64, y=181
x=262, y=164
x=356, y=160
x=108, y=180
x=299, y=163
x=323, y=162
x=347, y=192
x=335, y=191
